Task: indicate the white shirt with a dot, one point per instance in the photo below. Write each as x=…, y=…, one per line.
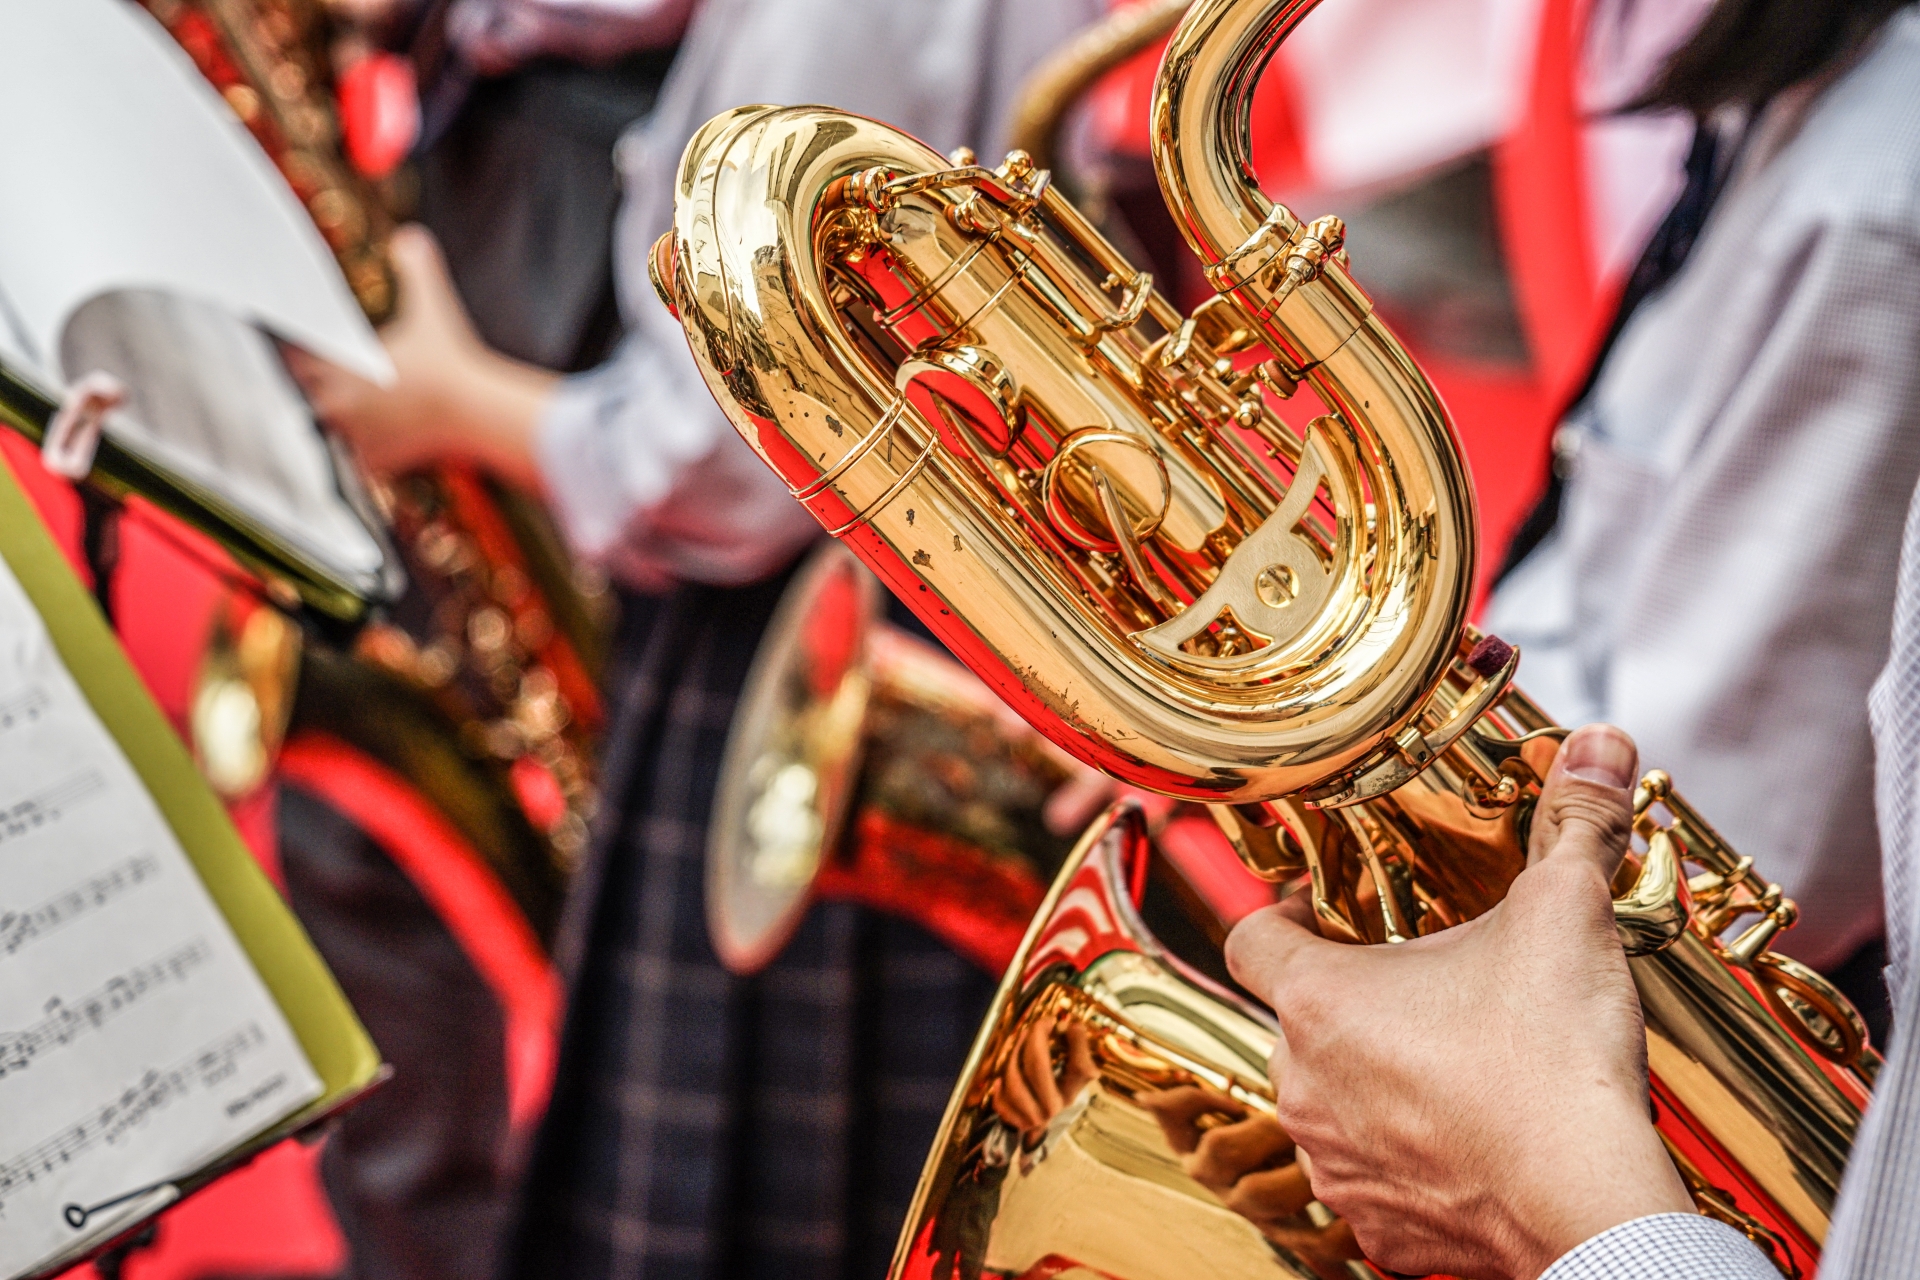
x=647, y=475
x=1869, y=124
x=1721, y=582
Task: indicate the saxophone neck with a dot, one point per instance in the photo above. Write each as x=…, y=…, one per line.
x=1286, y=275
x=1202, y=113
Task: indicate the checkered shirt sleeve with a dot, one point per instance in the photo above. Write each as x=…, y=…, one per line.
x=1665, y=1246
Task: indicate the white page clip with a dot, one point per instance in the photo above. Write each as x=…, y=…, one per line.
x=73, y=437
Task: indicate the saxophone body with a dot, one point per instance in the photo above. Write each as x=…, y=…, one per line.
x=481, y=690
x=1226, y=557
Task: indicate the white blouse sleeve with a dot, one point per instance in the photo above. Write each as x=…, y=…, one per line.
x=646, y=474
x=649, y=478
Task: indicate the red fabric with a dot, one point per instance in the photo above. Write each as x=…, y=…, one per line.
x=1121, y=104
x=1279, y=145
x=976, y=903
x=1540, y=186
x=1200, y=852
x=269, y=1219
x=457, y=883
x=1122, y=109
x=379, y=112
x=1505, y=419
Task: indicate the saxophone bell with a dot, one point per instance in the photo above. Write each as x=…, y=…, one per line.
x=1104, y=1064
x=864, y=764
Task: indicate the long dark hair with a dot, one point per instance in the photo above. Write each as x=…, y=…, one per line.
x=1748, y=50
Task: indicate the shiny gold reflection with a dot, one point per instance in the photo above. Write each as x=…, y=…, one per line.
x=1119, y=1122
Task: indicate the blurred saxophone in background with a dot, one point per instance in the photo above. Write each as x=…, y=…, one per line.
x=864, y=764
x=481, y=692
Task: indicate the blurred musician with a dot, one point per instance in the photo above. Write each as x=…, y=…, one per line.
x=1715, y=571
x=515, y=174
x=704, y=1124
x=413, y=772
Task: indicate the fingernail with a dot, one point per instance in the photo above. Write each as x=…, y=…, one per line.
x=1600, y=753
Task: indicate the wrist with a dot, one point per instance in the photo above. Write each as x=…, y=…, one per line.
x=491, y=410
x=1599, y=1177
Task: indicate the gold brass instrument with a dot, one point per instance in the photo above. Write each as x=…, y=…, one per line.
x=502, y=650
x=1057, y=84
x=1097, y=505
x=864, y=764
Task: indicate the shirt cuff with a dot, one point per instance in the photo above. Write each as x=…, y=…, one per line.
x=612, y=441
x=1665, y=1246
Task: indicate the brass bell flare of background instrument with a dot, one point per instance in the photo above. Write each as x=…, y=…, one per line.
x=863, y=760
x=788, y=771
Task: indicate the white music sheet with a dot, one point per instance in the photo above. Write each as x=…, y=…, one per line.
x=146, y=234
x=127, y=171
x=209, y=397
x=137, y=1042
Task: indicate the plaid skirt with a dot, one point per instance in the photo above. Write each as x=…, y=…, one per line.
x=703, y=1125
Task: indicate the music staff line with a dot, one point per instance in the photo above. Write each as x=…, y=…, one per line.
x=24, y=817
x=20, y=928
x=110, y=1121
x=23, y=708
x=65, y=1023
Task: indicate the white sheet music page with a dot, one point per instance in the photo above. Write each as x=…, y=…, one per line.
x=137, y=1042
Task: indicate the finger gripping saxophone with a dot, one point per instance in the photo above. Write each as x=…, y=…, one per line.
x=1225, y=556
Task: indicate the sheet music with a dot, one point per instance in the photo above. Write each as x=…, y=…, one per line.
x=209, y=397
x=143, y=178
x=136, y=1041
x=161, y=245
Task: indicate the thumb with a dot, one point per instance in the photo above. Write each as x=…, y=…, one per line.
x=416, y=249
x=1586, y=806
x=421, y=269
x=1265, y=945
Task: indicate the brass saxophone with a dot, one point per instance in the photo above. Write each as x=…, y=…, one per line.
x=487, y=700
x=1095, y=502
x=863, y=764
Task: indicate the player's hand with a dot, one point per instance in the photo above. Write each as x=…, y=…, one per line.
x=1246, y=1159
x=1475, y=1102
x=1032, y=1090
x=453, y=398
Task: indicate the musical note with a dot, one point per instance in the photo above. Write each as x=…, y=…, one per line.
x=23, y=708
x=18, y=928
x=65, y=1022
x=29, y=815
x=111, y=1121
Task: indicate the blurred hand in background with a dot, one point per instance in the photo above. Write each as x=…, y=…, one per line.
x=453, y=399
